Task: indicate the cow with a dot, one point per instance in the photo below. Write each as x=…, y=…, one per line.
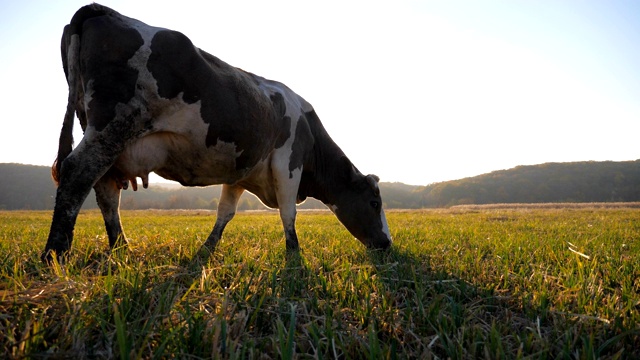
x=148, y=100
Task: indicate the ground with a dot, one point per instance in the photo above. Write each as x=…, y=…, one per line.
x=458, y=283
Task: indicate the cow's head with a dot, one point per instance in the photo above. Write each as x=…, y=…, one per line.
x=359, y=209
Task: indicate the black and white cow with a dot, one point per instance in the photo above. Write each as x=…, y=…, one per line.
x=148, y=100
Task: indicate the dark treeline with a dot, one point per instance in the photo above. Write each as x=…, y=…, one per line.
x=576, y=182
x=30, y=187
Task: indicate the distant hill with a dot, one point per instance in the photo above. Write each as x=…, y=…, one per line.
x=31, y=187
x=546, y=183
x=26, y=187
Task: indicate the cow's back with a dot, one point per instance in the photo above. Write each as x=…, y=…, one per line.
x=199, y=115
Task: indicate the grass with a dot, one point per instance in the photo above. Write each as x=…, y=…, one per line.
x=461, y=283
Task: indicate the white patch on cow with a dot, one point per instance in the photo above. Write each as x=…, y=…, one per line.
x=146, y=31
x=146, y=85
x=385, y=226
x=333, y=208
x=294, y=102
x=282, y=155
x=226, y=151
x=294, y=105
x=287, y=193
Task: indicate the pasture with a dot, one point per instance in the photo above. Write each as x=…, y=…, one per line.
x=458, y=283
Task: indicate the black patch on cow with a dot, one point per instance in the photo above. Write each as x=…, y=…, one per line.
x=280, y=109
x=302, y=142
x=231, y=103
x=75, y=27
x=279, y=106
x=106, y=47
x=172, y=57
x=321, y=175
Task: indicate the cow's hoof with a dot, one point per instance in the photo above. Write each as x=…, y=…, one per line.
x=48, y=257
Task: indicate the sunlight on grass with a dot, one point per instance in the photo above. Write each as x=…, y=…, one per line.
x=466, y=283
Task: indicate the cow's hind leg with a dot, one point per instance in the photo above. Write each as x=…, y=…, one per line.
x=226, y=211
x=108, y=198
x=78, y=174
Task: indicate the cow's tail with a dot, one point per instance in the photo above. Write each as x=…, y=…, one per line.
x=70, y=60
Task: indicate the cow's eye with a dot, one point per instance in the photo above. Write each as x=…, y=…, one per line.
x=374, y=204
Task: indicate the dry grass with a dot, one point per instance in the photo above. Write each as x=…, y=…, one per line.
x=594, y=205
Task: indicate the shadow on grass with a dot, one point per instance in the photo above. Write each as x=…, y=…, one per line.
x=432, y=311
x=450, y=317
x=391, y=303
x=454, y=318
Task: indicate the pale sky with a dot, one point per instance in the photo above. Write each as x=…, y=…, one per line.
x=413, y=91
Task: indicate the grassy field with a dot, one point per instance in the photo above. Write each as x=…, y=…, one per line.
x=459, y=284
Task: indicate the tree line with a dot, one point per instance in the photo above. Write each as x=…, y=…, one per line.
x=576, y=182
x=24, y=187
x=29, y=187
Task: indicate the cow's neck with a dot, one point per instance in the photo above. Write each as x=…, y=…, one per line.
x=326, y=168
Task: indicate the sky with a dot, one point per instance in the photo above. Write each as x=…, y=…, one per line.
x=413, y=91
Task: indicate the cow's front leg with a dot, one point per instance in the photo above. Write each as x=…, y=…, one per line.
x=288, y=217
x=226, y=211
x=287, y=192
x=108, y=198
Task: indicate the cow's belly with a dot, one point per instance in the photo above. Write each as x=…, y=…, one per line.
x=176, y=149
x=180, y=158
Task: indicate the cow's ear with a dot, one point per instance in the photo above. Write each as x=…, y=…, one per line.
x=373, y=181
